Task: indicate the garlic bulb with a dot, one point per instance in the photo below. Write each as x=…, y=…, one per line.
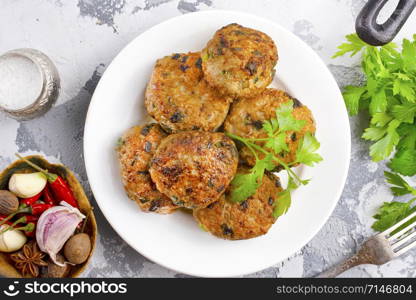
x=11, y=240
x=27, y=185
x=55, y=226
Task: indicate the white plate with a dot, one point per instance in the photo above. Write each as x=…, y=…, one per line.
x=175, y=241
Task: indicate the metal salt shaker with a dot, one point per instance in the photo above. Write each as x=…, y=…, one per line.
x=50, y=84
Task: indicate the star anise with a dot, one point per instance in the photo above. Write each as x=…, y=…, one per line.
x=29, y=259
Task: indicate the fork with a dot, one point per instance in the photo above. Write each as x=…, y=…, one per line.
x=380, y=248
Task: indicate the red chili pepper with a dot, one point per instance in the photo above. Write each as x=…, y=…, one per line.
x=31, y=219
x=31, y=200
x=62, y=192
x=34, y=209
x=47, y=195
x=58, y=185
x=2, y=217
x=12, y=225
x=30, y=233
x=29, y=228
x=38, y=208
x=28, y=218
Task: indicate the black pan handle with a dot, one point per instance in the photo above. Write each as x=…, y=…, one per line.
x=380, y=34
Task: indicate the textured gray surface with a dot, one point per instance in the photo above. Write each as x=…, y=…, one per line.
x=83, y=36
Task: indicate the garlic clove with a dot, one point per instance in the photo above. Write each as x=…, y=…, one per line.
x=27, y=185
x=55, y=226
x=11, y=240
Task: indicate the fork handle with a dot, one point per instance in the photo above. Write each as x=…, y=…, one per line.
x=343, y=266
x=370, y=31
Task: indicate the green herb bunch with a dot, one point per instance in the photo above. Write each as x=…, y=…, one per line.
x=277, y=130
x=389, y=94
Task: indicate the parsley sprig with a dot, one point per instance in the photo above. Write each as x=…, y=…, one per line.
x=389, y=94
x=392, y=212
x=267, y=153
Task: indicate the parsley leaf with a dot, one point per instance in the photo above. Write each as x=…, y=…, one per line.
x=399, y=186
x=270, y=126
x=245, y=185
x=354, y=46
x=352, y=96
x=404, y=161
x=278, y=144
x=266, y=163
x=305, y=154
x=407, y=133
x=374, y=133
x=380, y=119
x=405, y=89
x=392, y=212
x=379, y=102
x=409, y=55
x=284, y=199
x=403, y=76
x=383, y=147
x=405, y=112
x=285, y=118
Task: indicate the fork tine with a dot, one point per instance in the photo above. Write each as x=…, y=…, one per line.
x=401, y=232
x=404, y=240
x=394, y=227
x=405, y=249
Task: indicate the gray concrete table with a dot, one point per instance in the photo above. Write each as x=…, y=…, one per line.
x=82, y=37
